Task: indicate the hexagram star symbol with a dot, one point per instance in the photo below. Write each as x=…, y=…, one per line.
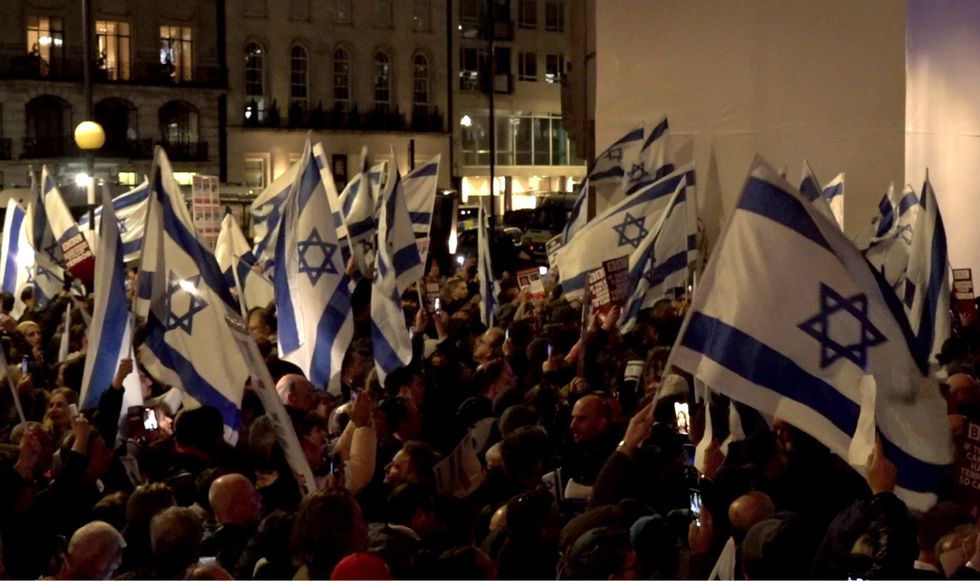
x=630, y=222
x=315, y=269
x=41, y=271
x=615, y=154
x=121, y=224
x=196, y=305
x=818, y=327
x=905, y=233
x=30, y=274
x=638, y=172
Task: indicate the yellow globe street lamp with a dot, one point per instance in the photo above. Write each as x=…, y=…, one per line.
x=89, y=136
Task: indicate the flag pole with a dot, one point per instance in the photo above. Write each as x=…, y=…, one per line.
x=13, y=387
x=238, y=286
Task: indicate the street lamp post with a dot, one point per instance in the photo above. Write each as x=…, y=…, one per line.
x=89, y=135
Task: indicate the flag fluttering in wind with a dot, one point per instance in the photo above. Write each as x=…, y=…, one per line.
x=189, y=344
x=237, y=262
x=312, y=287
x=790, y=319
x=130, y=210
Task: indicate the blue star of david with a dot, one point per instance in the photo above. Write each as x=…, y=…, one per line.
x=629, y=222
x=615, y=154
x=121, y=224
x=51, y=249
x=638, y=172
x=196, y=305
x=30, y=275
x=41, y=271
x=325, y=265
x=909, y=293
x=905, y=233
x=367, y=245
x=818, y=327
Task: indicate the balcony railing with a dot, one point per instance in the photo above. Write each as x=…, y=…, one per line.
x=299, y=117
x=131, y=149
x=69, y=68
x=49, y=147
x=186, y=151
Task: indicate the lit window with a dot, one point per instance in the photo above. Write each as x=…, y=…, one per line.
x=45, y=43
x=255, y=167
x=255, y=109
x=176, y=52
x=126, y=178
x=113, y=44
x=184, y=178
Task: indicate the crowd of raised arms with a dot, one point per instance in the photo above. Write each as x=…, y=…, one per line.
x=582, y=471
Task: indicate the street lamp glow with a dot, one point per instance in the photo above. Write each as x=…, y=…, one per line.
x=81, y=179
x=542, y=270
x=466, y=121
x=89, y=135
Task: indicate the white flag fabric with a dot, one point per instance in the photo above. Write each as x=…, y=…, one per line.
x=64, y=345
x=233, y=252
x=110, y=312
x=789, y=319
x=421, y=185
x=660, y=263
x=811, y=190
x=312, y=287
x=47, y=275
x=833, y=192
x=359, y=216
x=889, y=243
x=17, y=256
x=617, y=231
x=926, y=292
x=397, y=267
x=130, y=210
x=326, y=174
x=484, y=268
x=188, y=342
x=266, y=212
x=654, y=160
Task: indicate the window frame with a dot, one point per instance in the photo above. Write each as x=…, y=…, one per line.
x=123, y=43
x=522, y=70
x=345, y=103
x=385, y=72
x=305, y=73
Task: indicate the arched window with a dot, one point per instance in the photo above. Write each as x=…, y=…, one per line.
x=420, y=84
x=254, y=82
x=341, y=79
x=118, y=117
x=299, y=75
x=382, y=81
x=178, y=123
x=49, y=126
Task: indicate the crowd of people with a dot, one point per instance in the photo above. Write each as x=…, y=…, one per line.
x=585, y=473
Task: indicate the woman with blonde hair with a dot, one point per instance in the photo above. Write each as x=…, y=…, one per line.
x=57, y=417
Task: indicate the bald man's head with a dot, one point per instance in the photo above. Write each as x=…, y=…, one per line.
x=235, y=500
x=296, y=391
x=749, y=509
x=94, y=551
x=591, y=417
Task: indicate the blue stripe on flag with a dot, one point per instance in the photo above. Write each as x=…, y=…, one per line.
x=427, y=170
x=668, y=267
x=360, y=228
x=109, y=343
x=937, y=277
x=13, y=246
x=420, y=218
x=331, y=322
x=287, y=332
x=913, y=474
x=762, y=198
x=657, y=133
x=193, y=383
x=406, y=258
x=746, y=356
x=887, y=216
x=613, y=172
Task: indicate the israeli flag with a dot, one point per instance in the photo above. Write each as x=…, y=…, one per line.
x=326, y=174
x=420, y=186
x=489, y=287
x=360, y=218
x=617, y=231
x=661, y=262
x=41, y=238
x=188, y=344
x=59, y=217
x=890, y=240
x=109, y=331
x=374, y=176
x=312, y=287
x=790, y=320
x=398, y=266
x=612, y=165
x=236, y=261
x=811, y=190
x=130, y=208
x=926, y=288
x=266, y=212
x=17, y=256
x=833, y=192
x=654, y=160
